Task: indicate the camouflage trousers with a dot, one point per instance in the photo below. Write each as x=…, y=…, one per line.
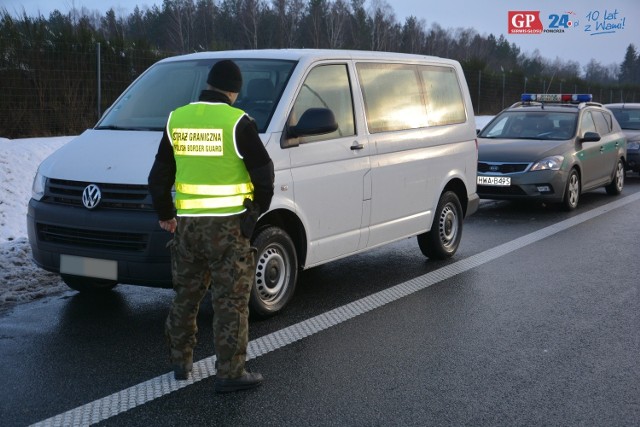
x=211, y=253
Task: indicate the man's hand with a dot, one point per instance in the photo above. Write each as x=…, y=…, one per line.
x=249, y=218
x=169, y=225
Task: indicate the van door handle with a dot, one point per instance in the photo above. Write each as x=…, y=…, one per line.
x=357, y=146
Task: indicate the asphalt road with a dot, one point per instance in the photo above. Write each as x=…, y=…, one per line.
x=536, y=321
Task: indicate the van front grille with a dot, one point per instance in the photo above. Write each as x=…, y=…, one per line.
x=109, y=240
x=114, y=196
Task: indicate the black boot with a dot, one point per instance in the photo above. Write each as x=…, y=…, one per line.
x=181, y=363
x=247, y=381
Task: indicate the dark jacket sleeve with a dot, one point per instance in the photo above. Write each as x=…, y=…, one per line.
x=257, y=161
x=161, y=179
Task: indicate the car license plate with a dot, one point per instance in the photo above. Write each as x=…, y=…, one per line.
x=89, y=267
x=498, y=181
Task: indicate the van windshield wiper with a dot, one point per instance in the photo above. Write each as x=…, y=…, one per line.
x=113, y=127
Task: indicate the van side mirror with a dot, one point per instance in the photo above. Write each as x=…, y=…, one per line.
x=590, y=137
x=314, y=121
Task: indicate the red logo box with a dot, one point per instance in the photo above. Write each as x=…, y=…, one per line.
x=525, y=22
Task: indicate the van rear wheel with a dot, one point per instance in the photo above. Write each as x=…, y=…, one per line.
x=442, y=241
x=88, y=285
x=276, y=272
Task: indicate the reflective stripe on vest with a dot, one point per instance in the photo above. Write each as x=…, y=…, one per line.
x=212, y=202
x=215, y=190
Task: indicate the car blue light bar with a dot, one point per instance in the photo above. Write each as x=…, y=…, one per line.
x=573, y=98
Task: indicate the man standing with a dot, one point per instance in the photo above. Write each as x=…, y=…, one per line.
x=223, y=179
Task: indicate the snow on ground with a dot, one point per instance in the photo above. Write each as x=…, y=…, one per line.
x=20, y=279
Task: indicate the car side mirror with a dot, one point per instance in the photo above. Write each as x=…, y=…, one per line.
x=314, y=121
x=590, y=137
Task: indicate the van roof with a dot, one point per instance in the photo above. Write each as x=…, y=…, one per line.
x=305, y=55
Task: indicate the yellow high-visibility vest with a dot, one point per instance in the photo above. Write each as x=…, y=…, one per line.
x=211, y=178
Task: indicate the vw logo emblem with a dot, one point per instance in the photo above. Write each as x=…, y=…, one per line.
x=91, y=196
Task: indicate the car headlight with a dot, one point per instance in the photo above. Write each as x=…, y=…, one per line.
x=552, y=163
x=37, y=189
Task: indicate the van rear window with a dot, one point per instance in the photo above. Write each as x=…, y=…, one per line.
x=406, y=96
x=444, y=99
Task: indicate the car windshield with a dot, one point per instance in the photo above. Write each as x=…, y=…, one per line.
x=629, y=118
x=540, y=125
x=166, y=86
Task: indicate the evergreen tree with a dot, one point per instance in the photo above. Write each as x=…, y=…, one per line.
x=630, y=67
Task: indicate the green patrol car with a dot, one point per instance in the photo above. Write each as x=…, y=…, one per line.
x=551, y=147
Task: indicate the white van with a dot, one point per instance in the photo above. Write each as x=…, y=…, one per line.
x=401, y=162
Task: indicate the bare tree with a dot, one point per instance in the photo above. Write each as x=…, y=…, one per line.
x=438, y=41
x=316, y=15
x=336, y=22
x=383, y=21
x=250, y=13
x=597, y=73
x=289, y=15
x=175, y=33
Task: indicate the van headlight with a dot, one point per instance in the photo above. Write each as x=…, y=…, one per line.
x=552, y=163
x=37, y=189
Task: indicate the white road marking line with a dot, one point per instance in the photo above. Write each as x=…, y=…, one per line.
x=124, y=400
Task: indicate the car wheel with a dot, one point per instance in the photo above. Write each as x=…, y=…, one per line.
x=572, y=191
x=617, y=184
x=276, y=272
x=442, y=241
x=88, y=285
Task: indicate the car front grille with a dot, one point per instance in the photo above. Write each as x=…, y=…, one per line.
x=486, y=167
x=135, y=242
x=114, y=196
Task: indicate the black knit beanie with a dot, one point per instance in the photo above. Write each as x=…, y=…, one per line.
x=225, y=75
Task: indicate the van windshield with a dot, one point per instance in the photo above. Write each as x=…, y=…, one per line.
x=166, y=86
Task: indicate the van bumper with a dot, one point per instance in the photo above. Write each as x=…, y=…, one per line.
x=132, y=238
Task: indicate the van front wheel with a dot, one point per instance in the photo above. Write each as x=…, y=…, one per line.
x=442, y=241
x=276, y=272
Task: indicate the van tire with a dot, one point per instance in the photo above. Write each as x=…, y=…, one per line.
x=88, y=285
x=442, y=241
x=276, y=272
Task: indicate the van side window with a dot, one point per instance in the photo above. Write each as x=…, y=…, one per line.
x=442, y=92
x=326, y=86
x=393, y=97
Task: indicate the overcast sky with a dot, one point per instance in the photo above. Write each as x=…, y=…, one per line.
x=598, y=29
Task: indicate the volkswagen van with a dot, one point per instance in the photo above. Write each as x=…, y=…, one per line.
x=368, y=148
